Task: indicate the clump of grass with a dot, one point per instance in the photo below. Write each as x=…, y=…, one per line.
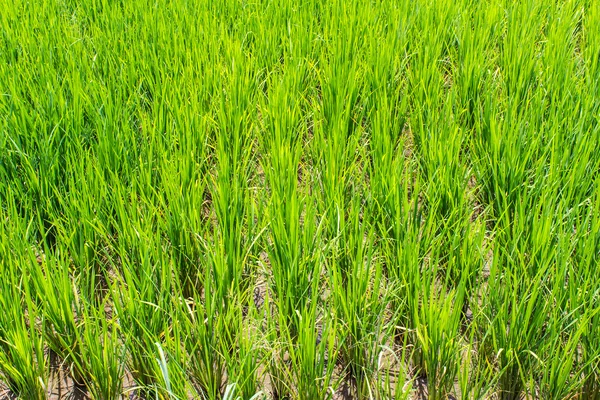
x=104, y=354
x=23, y=362
x=24, y=365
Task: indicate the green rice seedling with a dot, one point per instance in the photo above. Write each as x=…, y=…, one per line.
x=304, y=358
x=185, y=200
x=439, y=155
x=560, y=373
x=359, y=300
x=222, y=347
x=338, y=117
x=142, y=301
x=142, y=323
x=23, y=363
x=229, y=189
x=436, y=315
x=582, y=283
x=103, y=355
x=561, y=367
x=174, y=379
x=312, y=356
x=447, y=196
x=477, y=35
x=387, y=108
x=294, y=230
x=244, y=356
x=459, y=250
x=477, y=377
x=427, y=76
x=393, y=375
x=506, y=164
x=457, y=238
x=590, y=357
x=390, y=172
x=174, y=383
x=87, y=344
x=516, y=311
x=277, y=365
x=408, y=239
x=58, y=303
x=82, y=229
x=203, y=327
x=295, y=255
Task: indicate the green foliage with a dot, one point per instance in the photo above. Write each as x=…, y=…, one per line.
x=240, y=199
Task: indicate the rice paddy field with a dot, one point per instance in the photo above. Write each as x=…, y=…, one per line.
x=308, y=199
